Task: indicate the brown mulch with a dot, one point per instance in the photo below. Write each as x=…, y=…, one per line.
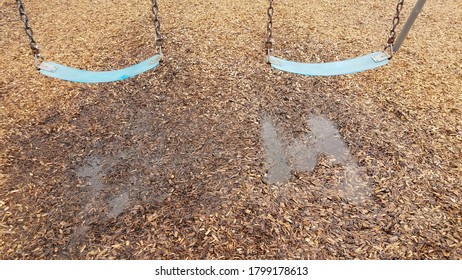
x=180, y=148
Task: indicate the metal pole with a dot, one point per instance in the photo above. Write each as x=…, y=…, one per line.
x=407, y=26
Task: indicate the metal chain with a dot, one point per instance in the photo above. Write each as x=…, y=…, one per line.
x=155, y=12
x=269, y=30
x=392, y=35
x=38, y=58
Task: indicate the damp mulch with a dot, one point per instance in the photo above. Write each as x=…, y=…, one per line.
x=175, y=163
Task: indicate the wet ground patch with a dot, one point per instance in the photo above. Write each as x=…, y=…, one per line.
x=301, y=155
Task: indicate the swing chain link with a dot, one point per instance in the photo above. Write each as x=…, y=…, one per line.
x=269, y=30
x=155, y=13
x=38, y=58
x=396, y=20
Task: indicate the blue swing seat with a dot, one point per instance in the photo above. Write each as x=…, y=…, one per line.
x=62, y=72
x=343, y=67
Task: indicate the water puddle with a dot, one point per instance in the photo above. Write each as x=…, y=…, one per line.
x=327, y=139
x=92, y=171
x=302, y=155
x=118, y=204
x=276, y=161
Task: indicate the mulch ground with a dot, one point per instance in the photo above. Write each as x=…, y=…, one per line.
x=171, y=164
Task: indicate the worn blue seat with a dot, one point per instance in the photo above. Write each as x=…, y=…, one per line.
x=62, y=72
x=343, y=67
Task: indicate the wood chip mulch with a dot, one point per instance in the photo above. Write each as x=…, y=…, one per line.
x=171, y=164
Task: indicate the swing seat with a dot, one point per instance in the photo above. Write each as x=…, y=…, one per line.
x=343, y=67
x=62, y=72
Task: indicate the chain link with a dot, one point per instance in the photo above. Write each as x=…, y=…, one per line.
x=269, y=30
x=392, y=35
x=38, y=58
x=155, y=13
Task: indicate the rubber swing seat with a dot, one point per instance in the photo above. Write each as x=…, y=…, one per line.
x=343, y=67
x=62, y=72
